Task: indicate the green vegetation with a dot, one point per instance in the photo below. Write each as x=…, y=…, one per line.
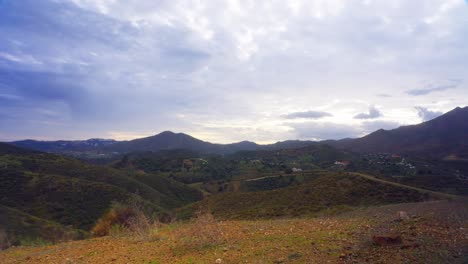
x=72, y=193
x=246, y=185
x=332, y=191
x=25, y=229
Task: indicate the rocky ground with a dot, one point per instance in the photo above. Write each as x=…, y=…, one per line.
x=432, y=232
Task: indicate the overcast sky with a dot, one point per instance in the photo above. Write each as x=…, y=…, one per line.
x=226, y=71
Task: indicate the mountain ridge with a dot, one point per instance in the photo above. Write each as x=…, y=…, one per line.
x=442, y=136
x=446, y=134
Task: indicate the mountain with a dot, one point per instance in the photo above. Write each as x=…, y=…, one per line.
x=169, y=140
x=64, y=145
x=446, y=135
x=164, y=141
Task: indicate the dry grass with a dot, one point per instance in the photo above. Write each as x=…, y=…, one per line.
x=203, y=231
x=142, y=228
x=337, y=239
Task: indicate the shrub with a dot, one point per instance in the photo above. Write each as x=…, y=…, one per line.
x=34, y=242
x=118, y=215
x=118, y=230
x=204, y=231
x=4, y=240
x=143, y=228
x=126, y=220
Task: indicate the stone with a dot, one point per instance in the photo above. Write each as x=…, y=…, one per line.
x=387, y=239
x=407, y=245
x=403, y=216
x=279, y=261
x=219, y=261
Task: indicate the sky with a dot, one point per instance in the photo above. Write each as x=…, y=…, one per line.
x=227, y=71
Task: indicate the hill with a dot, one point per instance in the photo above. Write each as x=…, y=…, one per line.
x=328, y=192
x=434, y=233
x=168, y=141
x=444, y=136
x=72, y=193
x=25, y=229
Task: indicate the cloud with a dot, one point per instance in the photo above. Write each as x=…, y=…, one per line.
x=373, y=113
x=84, y=68
x=384, y=95
x=325, y=130
x=433, y=88
x=425, y=114
x=308, y=115
x=317, y=130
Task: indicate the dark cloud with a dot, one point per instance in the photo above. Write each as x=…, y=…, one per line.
x=42, y=85
x=73, y=26
x=373, y=113
x=384, y=95
x=426, y=114
x=308, y=115
x=432, y=89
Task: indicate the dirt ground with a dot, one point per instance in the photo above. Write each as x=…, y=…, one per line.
x=433, y=232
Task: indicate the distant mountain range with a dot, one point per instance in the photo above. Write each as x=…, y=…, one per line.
x=164, y=141
x=61, y=146
x=444, y=136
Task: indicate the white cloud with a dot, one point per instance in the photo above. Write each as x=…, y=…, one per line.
x=225, y=64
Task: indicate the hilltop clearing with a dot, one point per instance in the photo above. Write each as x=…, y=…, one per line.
x=435, y=232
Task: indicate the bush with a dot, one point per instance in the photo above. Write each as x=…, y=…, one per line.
x=143, y=228
x=126, y=220
x=4, y=240
x=34, y=242
x=204, y=231
x=118, y=215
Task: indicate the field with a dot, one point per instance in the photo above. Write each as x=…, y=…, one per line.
x=436, y=232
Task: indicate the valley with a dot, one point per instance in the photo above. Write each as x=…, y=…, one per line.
x=171, y=198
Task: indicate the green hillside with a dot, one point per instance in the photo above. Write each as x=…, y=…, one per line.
x=333, y=191
x=72, y=193
x=23, y=228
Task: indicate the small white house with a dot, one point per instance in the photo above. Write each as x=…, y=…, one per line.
x=296, y=170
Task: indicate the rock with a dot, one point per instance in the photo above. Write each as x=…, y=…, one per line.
x=219, y=261
x=403, y=216
x=294, y=256
x=386, y=239
x=407, y=245
x=279, y=261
